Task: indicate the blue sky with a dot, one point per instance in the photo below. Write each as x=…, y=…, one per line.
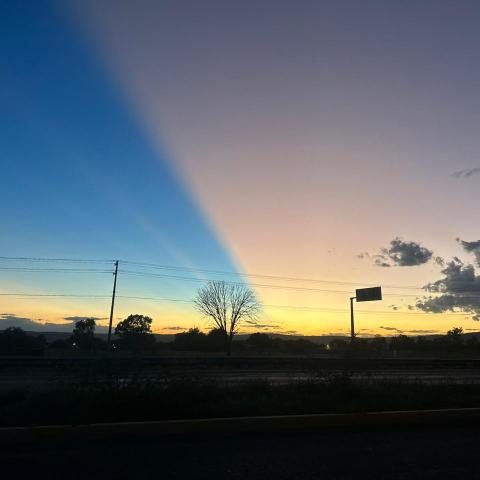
x=79, y=177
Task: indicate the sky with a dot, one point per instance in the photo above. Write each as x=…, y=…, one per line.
x=275, y=138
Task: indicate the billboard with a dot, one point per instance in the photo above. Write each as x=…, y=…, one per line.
x=368, y=294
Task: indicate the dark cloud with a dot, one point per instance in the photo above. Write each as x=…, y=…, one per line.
x=418, y=332
x=174, y=327
x=8, y=320
x=254, y=323
x=381, y=261
x=459, y=290
x=391, y=329
x=466, y=173
x=266, y=326
x=77, y=319
x=402, y=254
x=363, y=255
x=394, y=307
x=422, y=332
x=471, y=247
x=36, y=325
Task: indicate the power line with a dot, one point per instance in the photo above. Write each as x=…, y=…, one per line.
x=81, y=295
x=63, y=270
x=458, y=292
x=257, y=285
x=193, y=279
x=148, y=274
x=289, y=307
x=177, y=277
x=193, y=269
x=47, y=259
x=274, y=277
x=217, y=272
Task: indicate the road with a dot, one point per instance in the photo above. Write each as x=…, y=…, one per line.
x=392, y=453
x=38, y=372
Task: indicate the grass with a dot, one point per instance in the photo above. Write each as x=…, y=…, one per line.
x=93, y=402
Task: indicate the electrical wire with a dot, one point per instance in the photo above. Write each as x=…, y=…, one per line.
x=270, y=306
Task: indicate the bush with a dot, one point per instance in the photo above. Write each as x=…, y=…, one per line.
x=14, y=341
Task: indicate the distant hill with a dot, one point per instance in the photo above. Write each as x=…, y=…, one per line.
x=169, y=337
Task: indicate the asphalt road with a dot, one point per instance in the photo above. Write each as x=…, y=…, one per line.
x=393, y=453
x=39, y=372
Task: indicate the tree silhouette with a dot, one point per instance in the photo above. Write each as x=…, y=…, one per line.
x=193, y=340
x=455, y=334
x=135, y=332
x=83, y=334
x=15, y=341
x=226, y=306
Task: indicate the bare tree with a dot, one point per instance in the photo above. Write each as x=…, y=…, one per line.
x=227, y=305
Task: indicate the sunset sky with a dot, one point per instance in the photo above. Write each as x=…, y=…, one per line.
x=259, y=139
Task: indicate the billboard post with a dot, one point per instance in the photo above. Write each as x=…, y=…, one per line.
x=363, y=295
x=352, y=323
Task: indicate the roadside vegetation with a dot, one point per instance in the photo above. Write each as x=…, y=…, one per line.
x=178, y=398
x=134, y=336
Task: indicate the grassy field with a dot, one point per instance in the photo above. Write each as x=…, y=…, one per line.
x=177, y=398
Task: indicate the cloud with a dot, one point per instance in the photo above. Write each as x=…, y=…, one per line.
x=174, y=328
x=36, y=325
x=391, y=329
x=459, y=290
x=466, y=173
x=8, y=320
x=381, y=261
x=394, y=307
x=254, y=323
x=77, y=319
x=418, y=332
x=266, y=326
x=402, y=254
x=471, y=247
x=422, y=332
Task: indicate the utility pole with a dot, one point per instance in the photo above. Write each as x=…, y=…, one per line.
x=352, y=323
x=113, y=304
